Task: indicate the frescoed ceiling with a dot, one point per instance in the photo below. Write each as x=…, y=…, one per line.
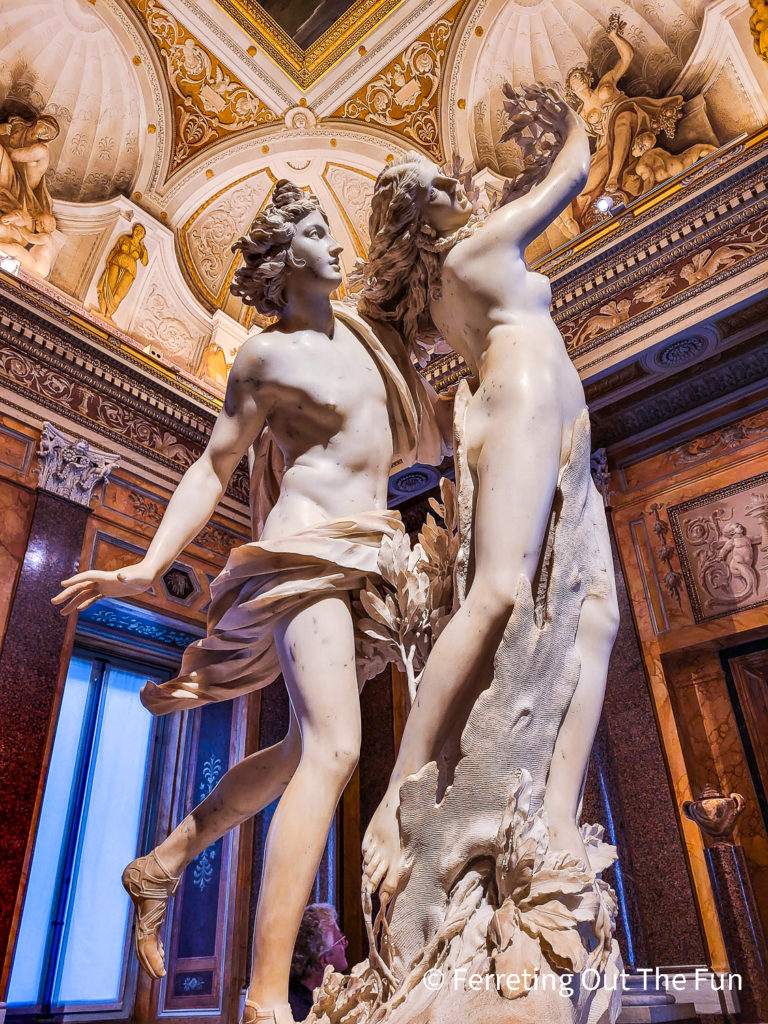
x=181, y=114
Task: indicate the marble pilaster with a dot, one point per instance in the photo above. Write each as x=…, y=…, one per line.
x=35, y=649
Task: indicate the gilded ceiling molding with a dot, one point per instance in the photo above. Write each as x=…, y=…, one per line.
x=207, y=236
x=209, y=103
x=404, y=95
x=305, y=67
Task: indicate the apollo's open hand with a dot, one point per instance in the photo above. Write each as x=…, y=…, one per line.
x=82, y=590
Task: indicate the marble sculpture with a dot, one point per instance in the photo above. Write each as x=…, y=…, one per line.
x=475, y=862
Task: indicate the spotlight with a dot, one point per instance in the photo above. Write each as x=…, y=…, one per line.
x=8, y=263
x=604, y=204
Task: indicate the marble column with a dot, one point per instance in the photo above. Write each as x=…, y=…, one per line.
x=716, y=815
x=31, y=656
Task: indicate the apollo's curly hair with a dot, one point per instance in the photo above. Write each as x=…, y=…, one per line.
x=401, y=275
x=312, y=939
x=261, y=279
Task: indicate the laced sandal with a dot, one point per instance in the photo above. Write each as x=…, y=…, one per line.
x=150, y=887
x=255, y=1014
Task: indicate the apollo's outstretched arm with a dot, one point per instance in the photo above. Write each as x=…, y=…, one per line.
x=194, y=500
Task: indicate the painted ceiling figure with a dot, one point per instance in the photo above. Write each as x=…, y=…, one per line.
x=320, y=387
x=614, y=120
x=26, y=211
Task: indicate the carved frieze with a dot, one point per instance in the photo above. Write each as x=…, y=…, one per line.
x=209, y=102
x=403, y=96
x=58, y=370
x=685, y=274
x=722, y=540
x=70, y=467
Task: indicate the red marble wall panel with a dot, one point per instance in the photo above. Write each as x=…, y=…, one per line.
x=16, y=505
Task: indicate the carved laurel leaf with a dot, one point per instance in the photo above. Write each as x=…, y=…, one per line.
x=519, y=960
x=379, y=610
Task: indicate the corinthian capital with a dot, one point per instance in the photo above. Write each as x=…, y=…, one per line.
x=71, y=468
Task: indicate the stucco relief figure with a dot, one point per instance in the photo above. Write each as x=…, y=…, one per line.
x=614, y=120
x=737, y=553
x=26, y=213
x=120, y=269
x=655, y=164
x=327, y=407
x=758, y=24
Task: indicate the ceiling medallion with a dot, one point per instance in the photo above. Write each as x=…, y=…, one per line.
x=306, y=65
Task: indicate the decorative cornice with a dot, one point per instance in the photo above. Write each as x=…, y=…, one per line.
x=58, y=370
x=209, y=102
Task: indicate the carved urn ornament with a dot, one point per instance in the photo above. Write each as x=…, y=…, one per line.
x=714, y=813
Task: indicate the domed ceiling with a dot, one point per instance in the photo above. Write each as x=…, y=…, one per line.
x=58, y=57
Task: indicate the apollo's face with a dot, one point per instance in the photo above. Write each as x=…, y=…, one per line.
x=444, y=204
x=315, y=251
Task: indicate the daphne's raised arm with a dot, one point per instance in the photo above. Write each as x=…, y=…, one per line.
x=523, y=219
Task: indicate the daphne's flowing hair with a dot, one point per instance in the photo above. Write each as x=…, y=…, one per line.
x=260, y=282
x=401, y=274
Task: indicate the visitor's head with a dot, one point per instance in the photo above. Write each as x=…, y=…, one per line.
x=319, y=943
x=289, y=238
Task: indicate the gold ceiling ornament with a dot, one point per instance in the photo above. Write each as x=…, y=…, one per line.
x=305, y=67
x=403, y=96
x=209, y=103
x=758, y=24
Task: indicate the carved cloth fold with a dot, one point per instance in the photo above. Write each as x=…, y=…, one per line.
x=261, y=584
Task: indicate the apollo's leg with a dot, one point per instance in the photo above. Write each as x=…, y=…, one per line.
x=317, y=656
x=507, y=540
x=247, y=788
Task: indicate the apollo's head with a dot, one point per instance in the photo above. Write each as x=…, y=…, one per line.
x=290, y=235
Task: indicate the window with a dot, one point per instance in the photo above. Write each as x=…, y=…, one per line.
x=75, y=925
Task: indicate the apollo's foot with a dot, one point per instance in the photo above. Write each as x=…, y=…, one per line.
x=255, y=1014
x=150, y=887
x=384, y=864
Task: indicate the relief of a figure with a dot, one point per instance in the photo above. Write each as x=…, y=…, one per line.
x=758, y=24
x=120, y=269
x=26, y=212
x=615, y=121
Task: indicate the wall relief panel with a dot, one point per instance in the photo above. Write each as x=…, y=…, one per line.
x=722, y=541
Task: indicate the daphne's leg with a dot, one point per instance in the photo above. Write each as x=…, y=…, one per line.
x=317, y=656
x=508, y=535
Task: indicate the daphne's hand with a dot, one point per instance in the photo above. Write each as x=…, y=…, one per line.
x=82, y=590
